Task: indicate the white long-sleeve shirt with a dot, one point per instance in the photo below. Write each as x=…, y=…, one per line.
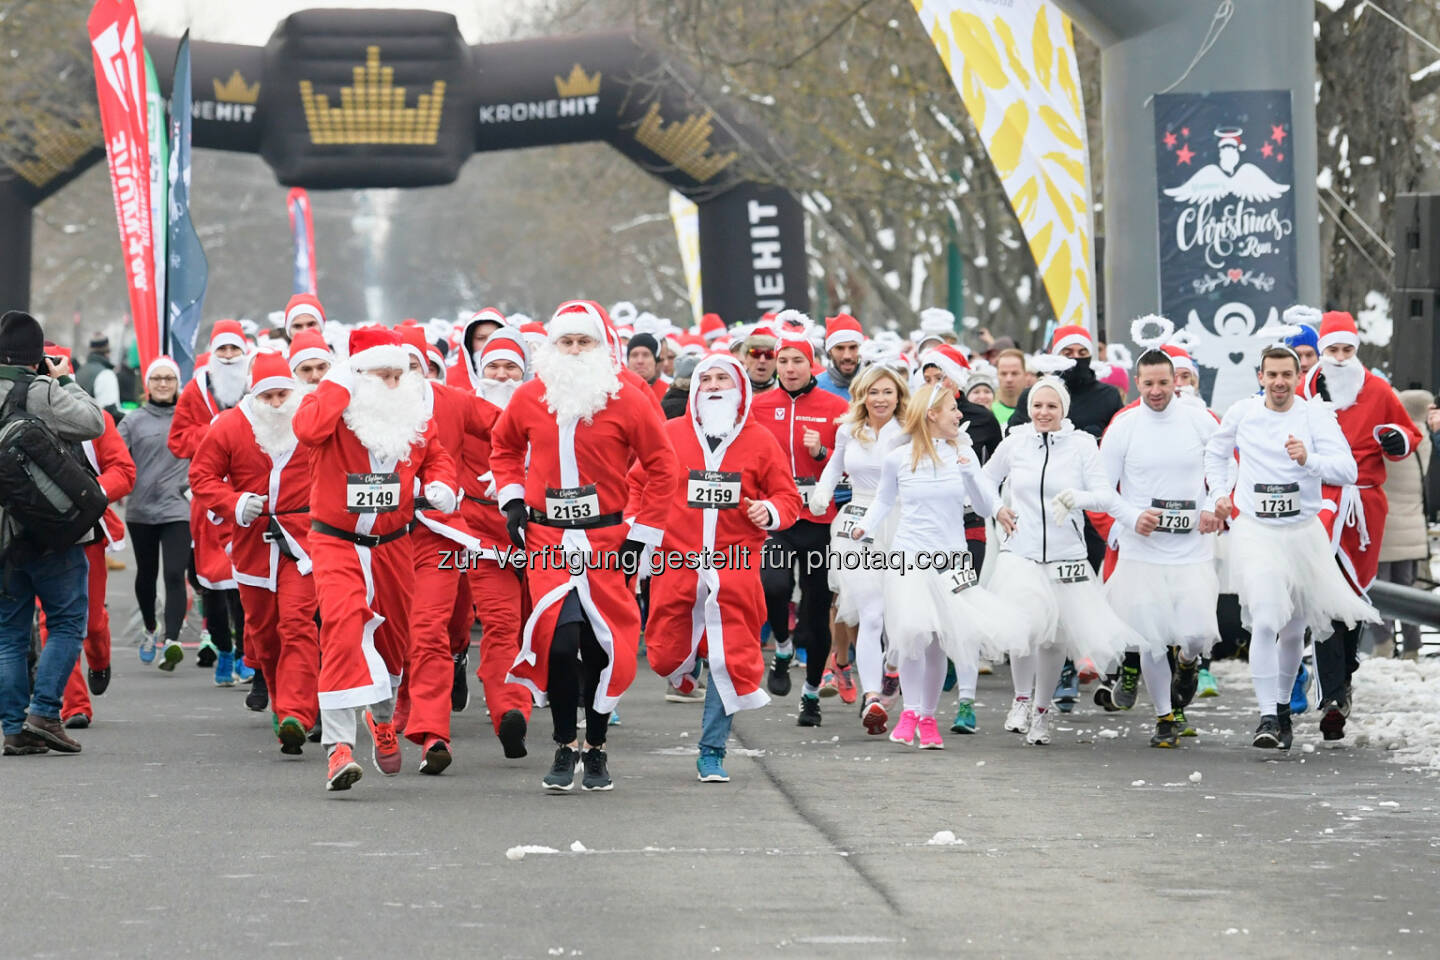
x=1037, y=466
x=861, y=462
x=932, y=499
x=1157, y=459
x=1268, y=485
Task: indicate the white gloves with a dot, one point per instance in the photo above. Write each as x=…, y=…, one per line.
x=254, y=506
x=440, y=497
x=819, y=502
x=489, y=480
x=1061, y=505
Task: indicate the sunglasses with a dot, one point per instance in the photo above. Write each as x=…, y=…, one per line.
x=757, y=353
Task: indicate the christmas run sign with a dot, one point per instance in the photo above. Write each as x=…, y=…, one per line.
x=1225, y=174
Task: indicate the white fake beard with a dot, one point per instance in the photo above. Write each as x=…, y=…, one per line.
x=273, y=425
x=1343, y=380
x=717, y=412
x=498, y=392
x=578, y=386
x=388, y=422
x=227, y=380
x=1189, y=394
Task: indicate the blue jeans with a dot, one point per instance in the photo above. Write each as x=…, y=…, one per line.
x=715, y=725
x=61, y=582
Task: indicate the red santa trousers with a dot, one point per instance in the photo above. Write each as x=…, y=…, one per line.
x=364, y=599
x=462, y=618
x=429, y=667
x=97, y=638
x=501, y=604
x=282, y=642
x=715, y=614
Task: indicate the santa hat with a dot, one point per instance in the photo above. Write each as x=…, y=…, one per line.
x=506, y=344
x=952, y=364
x=226, y=332
x=711, y=326
x=721, y=361
x=761, y=335
x=842, y=328
x=1052, y=383
x=309, y=345
x=162, y=362
x=578, y=317
x=269, y=371
x=486, y=315
x=301, y=304
x=373, y=348
x=1337, y=327
x=533, y=332
x=1180, y=358
x=797, y=343
x=934, y=320
x=412, y=340
x=1071, y=335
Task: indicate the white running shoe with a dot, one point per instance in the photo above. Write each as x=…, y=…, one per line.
x=1039, y=733
x=1018, y=719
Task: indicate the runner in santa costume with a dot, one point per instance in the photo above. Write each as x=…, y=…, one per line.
x=251, y=469
x=580, y=423
x=310, y=358
x=302, y=313
x=440, y=537
x=1377, y=428
x=497, y=589
x=370, y=437
x=478, y=330
x=735, y=484
x=217, y=386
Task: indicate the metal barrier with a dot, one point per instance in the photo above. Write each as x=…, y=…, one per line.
x=1406, y=603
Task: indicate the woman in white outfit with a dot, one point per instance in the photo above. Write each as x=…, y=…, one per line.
x=871, y=430
x=1051, y=473
x=934, y=606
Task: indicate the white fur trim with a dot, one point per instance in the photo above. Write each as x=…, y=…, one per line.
x=490, y=356
x=300, y=308
x=843, y=336
x=1080, y=339
x=273, y=383
x=646, y=534
x=387, y=355
x=162, y=362
x=1338, y=336
x=226, y=340
x=310, y=353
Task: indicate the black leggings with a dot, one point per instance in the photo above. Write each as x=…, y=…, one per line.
x=576, y=659
x=808, y=544
x=147, y=540
x=225, y=619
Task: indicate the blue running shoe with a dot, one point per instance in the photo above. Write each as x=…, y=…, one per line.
x=225, y=669
x=709, y=768
x=949, y=676
x=1299, y=702
x=148, y=640
x=964, y=718
x=1068, y=690
x=615, y=717
x=243, y=674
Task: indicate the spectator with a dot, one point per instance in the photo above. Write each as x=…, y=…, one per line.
x=1405, y=546
x=97, y=377
x=677, y=398
x=1010, y=382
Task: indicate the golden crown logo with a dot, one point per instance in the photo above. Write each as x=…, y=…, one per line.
x=235, y=90
x=685, y=143
x=373, y=110
x=578, y=84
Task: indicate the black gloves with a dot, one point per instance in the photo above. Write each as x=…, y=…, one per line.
x=515, y=517
x=1392, y=441
x=630, y=552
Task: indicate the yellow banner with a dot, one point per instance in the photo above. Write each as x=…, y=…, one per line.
x=1013, y=62
x=686, y=217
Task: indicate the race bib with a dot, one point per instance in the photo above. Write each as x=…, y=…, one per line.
x=805, y=485
x=850, y=516
x=713, y=489
x=963, y=577
x=1176, y=516
x=372, y=492
x=572, y=505
x=1068, y=571
x=1276, y=501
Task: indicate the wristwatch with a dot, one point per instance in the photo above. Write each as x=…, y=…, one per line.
x=824, y=452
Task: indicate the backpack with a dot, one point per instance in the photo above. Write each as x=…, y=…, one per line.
x=51, y=497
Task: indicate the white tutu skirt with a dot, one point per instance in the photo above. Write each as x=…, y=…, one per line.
x=1286, y=570
x=1072, y=615
x=920, y=607
x=1167, y=604
x=855, y=587
x=1222, y=563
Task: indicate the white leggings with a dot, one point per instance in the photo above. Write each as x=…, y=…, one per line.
x=921, y=680
x=1275, y=653
x=1036, y=674
x=869, y=654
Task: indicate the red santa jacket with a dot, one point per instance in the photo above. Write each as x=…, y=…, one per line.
x=196, y=409
x=788, y=417
x=229, y=469
x=1377, y=408
x=115, y=472
x=463, y=421
x=599, y=452
x=336, y=453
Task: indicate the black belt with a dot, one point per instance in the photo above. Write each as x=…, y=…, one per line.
x=360, y=539
x=604, y=520
x=482, y=500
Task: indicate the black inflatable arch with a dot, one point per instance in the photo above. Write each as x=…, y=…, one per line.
x=395, y=98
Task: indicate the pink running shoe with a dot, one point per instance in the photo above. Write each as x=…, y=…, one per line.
x=905, y=730
x=930, y=734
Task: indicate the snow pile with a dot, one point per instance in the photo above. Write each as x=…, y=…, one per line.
x=519, y=853
x=1397, y=708
x=945, y=838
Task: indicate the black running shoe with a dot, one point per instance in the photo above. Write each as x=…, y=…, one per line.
x=809, y=711
x=1332, y=720
x=890, y=685
x=1104, y=696
x=1167, y=732
x=1124, y=693
x=99, y=681
x=1068, y=690
x=460, y=686
x=562, y=771
x=205, y=656
x=1287, y=732
x=597, y=772
x=1267, y=735
x=258, y=698
x=77, y=721
x=1184, y=682
x=780, y=675
x=512, y=734
x=314, y=733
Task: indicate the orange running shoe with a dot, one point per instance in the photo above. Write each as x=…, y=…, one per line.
x=845, y=682
x=344, y=771
x=387, y=746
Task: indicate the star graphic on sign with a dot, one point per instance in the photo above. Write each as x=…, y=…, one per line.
x=1170, y=139
x=1184, y=154
x=1267, y=149
x=1277, y=133
x=1184, y=131
x=1280, y=156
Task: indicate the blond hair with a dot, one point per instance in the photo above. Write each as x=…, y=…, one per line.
x=917, y=424
x=859, y=417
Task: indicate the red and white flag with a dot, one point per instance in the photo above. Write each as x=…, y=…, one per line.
x=119, y=53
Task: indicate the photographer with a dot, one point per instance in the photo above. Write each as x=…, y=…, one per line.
x=57, y=577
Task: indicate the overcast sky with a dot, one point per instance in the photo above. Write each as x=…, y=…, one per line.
x=252, y=21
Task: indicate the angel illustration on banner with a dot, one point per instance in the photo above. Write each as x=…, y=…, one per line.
x=1229, y=177
x=1232, y=350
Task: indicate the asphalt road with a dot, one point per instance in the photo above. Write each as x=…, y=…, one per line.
x=182, y=832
